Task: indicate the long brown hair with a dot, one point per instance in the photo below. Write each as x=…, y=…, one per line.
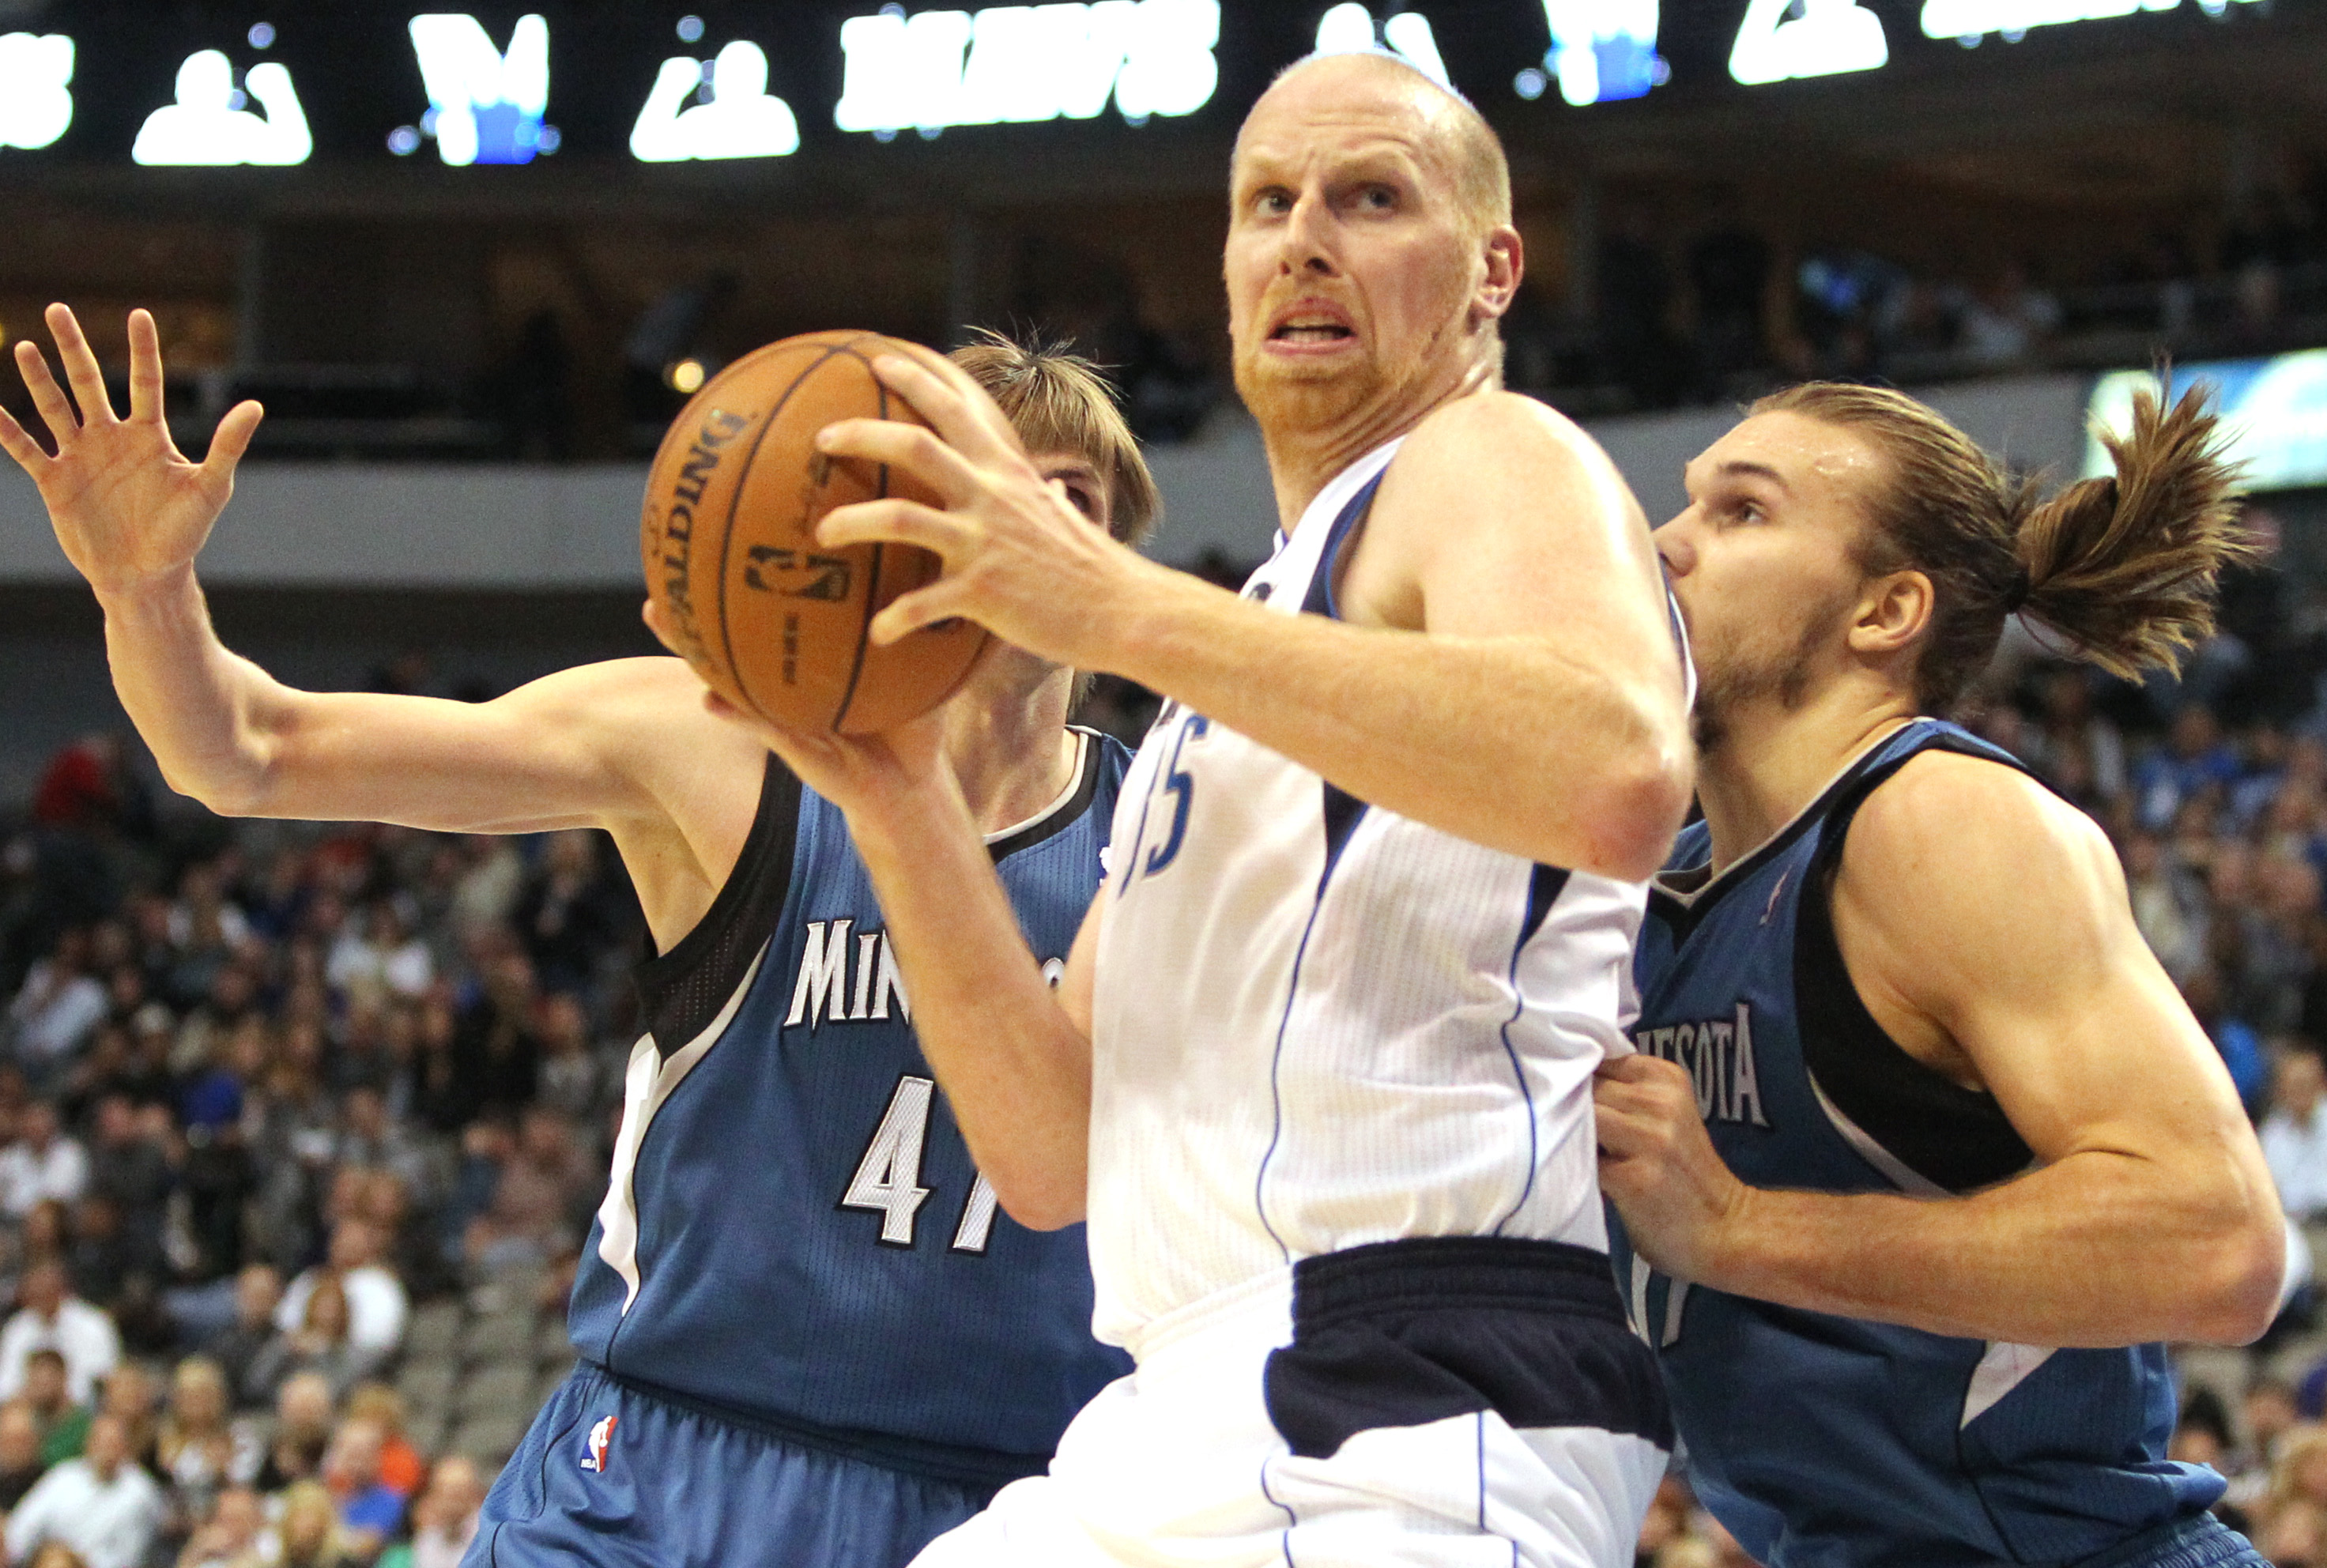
x=2123, y=569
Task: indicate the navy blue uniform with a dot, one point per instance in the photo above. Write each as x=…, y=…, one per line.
x=1822, y=1440
x=807, y=1334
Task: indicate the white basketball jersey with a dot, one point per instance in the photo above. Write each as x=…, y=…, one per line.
x=1319, y=1024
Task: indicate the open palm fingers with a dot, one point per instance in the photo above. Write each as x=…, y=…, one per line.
x=49, y=399
x=81, y=371
x=18, y=443
x=144, y=369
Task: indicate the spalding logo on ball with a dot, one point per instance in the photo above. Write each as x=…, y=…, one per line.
x=772, y=620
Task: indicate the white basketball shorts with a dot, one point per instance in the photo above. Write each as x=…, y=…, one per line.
x=1470, y=1402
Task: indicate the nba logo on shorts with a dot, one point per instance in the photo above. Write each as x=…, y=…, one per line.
x=602, y=1437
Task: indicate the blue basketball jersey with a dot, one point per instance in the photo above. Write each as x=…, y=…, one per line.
x=1822, y=1440
x=795, y=1236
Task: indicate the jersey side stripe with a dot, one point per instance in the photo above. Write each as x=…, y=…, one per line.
x=650, y=1082
x=1284, y=1021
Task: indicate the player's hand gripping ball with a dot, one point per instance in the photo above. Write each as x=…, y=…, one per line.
x=772, y=621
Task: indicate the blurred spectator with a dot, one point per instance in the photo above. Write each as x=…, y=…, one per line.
x=42, y=1163
x=2195, y=759
x=102, y=1505
x=542, y=1192
x=20, y=1452
x=378, y=1306
x=402, y=1471
x=307, y=1533
x=574, y=1081
x=63, y=1421
x=53, y=1318
x=88, y=784
x=58, y=1005
x=381, y=958
x=302, y=1426
x=235, y=1348
x=232, y=1536
x=320, y=1344
x=128, y=1394
x=370, y=1511
x=200, y=1447
x=2294, y=1134
x=443, y=1517
x=496, y=1055
x=570, y=913
x=2007, y=319
x=131, y=1170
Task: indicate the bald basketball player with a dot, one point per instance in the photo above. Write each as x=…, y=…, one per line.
x=1320, y=1067
x=805, y=1335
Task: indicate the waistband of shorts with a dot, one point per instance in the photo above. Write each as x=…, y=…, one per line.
x=971, y=1469
x=1413, y=1272
x=2192, y=1541
x=1425, y=1273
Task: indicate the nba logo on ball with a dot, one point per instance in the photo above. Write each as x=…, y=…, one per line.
x=602, y=1437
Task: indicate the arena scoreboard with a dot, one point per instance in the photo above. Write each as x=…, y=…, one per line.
x=276, y=86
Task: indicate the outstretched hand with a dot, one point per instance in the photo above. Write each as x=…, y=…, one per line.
x=1019, y=559
x=127, y=506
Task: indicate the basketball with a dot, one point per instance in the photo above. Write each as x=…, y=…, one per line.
x=771, y=620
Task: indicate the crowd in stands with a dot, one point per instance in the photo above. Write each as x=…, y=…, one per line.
x=301, y=1130
x=1692, y=301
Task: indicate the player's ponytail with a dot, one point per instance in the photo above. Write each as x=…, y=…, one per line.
x=2122, y=569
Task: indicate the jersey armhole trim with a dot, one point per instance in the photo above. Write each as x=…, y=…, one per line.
x=1953, y=1138
x=764, y=867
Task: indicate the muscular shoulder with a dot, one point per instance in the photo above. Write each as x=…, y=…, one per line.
x=1961, y=873
x=1491, y=433
x=1493, y=488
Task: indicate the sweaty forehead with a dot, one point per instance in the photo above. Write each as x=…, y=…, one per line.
x=1807, y=457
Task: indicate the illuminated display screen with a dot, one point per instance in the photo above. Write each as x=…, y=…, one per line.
x=262, y=85
x=2275, y=411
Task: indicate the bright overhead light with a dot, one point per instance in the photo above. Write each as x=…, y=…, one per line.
x=1829, y=38
x=487, y=105
x=740, y=121
x=1602, y=50
x=206, y=126
x=1969, y=19
x=37, y=103
x=1016, y=64
x=686, y=376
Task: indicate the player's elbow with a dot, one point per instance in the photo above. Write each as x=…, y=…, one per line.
x=1041, y=1206
x=2246, y=1276
x=236, y=794
x=1642, y=800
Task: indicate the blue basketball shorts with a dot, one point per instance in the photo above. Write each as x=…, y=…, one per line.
x=611, y=1476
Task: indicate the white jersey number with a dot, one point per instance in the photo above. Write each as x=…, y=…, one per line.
x=888, y=1179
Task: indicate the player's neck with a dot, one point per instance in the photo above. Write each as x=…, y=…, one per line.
x=1304, y=457
x=1768, y=761
x=1008, y=745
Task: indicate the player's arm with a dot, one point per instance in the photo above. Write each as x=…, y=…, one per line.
x=1517, y=684
x=577, y=749
x=132, y=514
x=2149, y=1214
x=1013, y=1056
